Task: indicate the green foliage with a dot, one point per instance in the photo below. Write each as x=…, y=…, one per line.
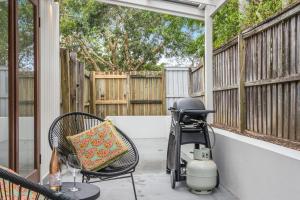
x=25, y=33
x=117, y=38
x=257, y=11
x=3, y=33
x=226, y=22
x=230, y=20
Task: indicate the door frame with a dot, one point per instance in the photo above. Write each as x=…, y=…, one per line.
x=13, y=89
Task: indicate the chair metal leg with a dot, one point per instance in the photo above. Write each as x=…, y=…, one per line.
x=132, y=180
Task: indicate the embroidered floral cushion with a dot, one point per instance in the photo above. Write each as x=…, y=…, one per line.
x=98, y=147
x=15, y=193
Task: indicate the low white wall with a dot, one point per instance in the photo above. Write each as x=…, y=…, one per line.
x=143, y=126
x=256, y=170
x=26, y=130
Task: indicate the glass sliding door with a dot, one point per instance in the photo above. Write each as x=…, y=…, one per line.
x=19, y=91
x=4, y=123
x=27, y=93
x=25, y=71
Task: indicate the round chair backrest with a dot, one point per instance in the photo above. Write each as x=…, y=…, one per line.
x=68, y=125
x=77, y=122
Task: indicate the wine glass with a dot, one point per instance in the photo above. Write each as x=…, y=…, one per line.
x=74, y=166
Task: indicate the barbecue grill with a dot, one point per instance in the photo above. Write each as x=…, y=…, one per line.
x=188, y=126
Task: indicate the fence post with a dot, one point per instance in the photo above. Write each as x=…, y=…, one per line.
x=190, y=89
x=65, y=80
x=80, y=87
x=128, y=94
x=163, y=91
x=92, y=93
x=242, y=97
x=73, y=81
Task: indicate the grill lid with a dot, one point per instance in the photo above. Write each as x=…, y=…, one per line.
x=189, y=104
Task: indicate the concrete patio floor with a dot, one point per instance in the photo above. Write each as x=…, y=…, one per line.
x=152, y=183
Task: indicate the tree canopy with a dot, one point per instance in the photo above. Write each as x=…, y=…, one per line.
x=3, y=33
x=116, y=38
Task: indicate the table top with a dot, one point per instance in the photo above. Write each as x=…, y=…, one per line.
x=86, y=191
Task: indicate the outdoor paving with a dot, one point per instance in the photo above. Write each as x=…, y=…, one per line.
x=152, y=183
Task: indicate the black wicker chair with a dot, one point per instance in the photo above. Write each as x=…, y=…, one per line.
x=13, y=186
x=77, y=122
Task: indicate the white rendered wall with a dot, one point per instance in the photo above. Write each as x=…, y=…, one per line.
x=143, y=126
x=50, y=75
x=256, y=170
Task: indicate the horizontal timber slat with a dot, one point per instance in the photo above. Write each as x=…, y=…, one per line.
x=291, y=78
x=103, y=76
x=110, y=102
x=226, y=88
x=144, y=76
x=145, y=101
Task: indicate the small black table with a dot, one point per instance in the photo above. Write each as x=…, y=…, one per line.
x=86, y=191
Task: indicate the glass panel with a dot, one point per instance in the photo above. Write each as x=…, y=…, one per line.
x=26, y=67
x=4, y=83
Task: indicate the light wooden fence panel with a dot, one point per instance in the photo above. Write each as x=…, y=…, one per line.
x=134, y=93
x=111, y=94
x=226, y=76
x=26, y=93
x=177, y=84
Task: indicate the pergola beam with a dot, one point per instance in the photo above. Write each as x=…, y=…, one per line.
x=219, y=4
x=205, y=2
x=166, y=7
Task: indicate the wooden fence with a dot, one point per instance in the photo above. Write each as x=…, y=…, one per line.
x=110, y=93
x=134, y=93
x=197, y=82
x=26, y=93
x=257, y=78
x=72, y=82
x=226, y=80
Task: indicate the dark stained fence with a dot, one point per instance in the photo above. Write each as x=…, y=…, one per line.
x=86, y=93
x=226, y=78
x=197, y=82
x=265, y=97
x=72, y=83
x=272, y=77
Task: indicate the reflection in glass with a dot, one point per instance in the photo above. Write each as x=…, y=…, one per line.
x=4, y=83
x=26, y=68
